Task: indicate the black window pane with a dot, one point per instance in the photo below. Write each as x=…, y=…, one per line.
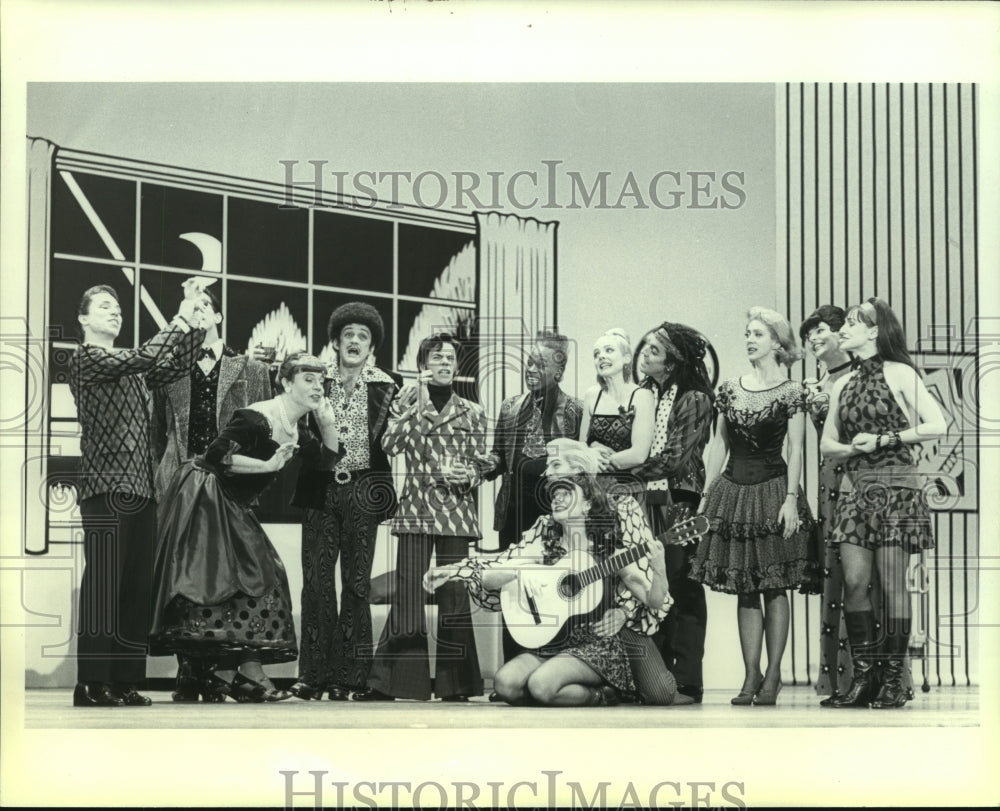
x=324, y=303
x=436, y=263
x=93, y=216
x=269, y=314
x=417, y=321
x=167, y=213
x=69, y=282
x=268, y=241
x=353, y=252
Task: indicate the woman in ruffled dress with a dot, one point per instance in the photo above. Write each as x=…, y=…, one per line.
x=222, y=594
x=760, y=541
x=618, y=416
x=588, y=664
x=878, y=411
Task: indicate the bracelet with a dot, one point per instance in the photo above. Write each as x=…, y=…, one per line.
x=792, y=494
x=878, y=441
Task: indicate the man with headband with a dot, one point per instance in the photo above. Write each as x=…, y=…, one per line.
x=343, y=509
x=672, y=359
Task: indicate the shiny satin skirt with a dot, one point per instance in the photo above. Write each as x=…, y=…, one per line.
x=220, y=588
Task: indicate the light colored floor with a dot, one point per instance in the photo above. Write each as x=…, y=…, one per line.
x=797, y=707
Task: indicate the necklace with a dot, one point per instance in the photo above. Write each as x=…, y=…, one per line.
x=836, y=369
x=285, y=422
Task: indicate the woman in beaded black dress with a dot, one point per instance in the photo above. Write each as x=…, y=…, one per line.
x=877, y=412
x=760, y=540
x=221, y=590
x=617, y=416
x=589, y=665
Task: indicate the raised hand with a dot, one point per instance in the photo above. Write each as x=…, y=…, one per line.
x=282, y=455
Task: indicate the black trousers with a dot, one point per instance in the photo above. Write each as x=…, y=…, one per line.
x=119, y=539
x=402, y=664
x=681, y=636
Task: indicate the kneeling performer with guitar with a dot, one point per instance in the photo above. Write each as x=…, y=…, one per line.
x=550, y=587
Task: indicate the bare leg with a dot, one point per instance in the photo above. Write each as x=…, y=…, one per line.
x=564, y=681
x=511, y=680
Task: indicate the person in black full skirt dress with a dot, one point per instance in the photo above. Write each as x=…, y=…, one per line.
x=222, y=594
x=760, y=541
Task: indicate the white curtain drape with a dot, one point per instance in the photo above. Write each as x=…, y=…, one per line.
x=517, y=284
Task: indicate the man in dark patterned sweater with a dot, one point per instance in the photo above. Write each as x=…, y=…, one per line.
x=111, y=388
x=187, y=415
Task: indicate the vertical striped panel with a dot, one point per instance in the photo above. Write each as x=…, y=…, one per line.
x=876, y=190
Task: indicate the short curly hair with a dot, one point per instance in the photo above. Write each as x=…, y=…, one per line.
x=357, y=312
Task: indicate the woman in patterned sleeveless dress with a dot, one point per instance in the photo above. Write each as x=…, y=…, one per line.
x=876, y=412
x=589, y=664
x=618, y=416
x=761, y=528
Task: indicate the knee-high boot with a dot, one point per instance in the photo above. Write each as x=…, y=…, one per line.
x=863, y=637
x=892, y=693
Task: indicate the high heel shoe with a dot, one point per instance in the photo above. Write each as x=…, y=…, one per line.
x=246, y=690
x=745, y=697
x=767, y=696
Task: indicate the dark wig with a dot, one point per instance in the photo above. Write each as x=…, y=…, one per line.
x=891, y=340
x=602, y=521
x=687, y=348
x=829, y=314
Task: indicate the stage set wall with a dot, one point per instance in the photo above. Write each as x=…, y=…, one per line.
x=626, y=267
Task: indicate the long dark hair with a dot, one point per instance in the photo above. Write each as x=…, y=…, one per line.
x=690, y=372
x=891, y=340
x=601, y=524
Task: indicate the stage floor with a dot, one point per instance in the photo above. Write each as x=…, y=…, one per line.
x=797, y=707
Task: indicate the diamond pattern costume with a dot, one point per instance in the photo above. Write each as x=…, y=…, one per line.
x=433, y=513
x=111, y=388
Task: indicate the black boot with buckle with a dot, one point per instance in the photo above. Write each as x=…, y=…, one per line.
x=893, y=694
x=863, y=637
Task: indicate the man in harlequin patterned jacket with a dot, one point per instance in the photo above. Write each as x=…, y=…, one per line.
x=111, y=388
x=441, y=435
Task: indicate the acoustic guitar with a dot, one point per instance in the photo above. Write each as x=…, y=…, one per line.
x=574, y=586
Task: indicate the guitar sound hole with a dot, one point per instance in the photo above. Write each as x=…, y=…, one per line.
x=570, y=586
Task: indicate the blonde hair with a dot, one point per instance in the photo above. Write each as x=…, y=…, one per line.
x=621, y=339
x=788, y=351
x=576, y=454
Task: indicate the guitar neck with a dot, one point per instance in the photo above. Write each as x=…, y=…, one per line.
x=612, y=564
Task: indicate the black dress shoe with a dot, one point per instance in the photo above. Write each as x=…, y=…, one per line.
x=131, y=697
x=306, y=692
x=494, y=698
x=694, y=692
x=457, y=698
x=95, y=695
x=339, y=693
x=371, y=694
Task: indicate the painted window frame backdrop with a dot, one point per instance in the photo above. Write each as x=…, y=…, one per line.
x=281, y=258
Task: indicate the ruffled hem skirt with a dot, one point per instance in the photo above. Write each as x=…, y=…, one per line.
x=744, y=550
x=220, y=586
